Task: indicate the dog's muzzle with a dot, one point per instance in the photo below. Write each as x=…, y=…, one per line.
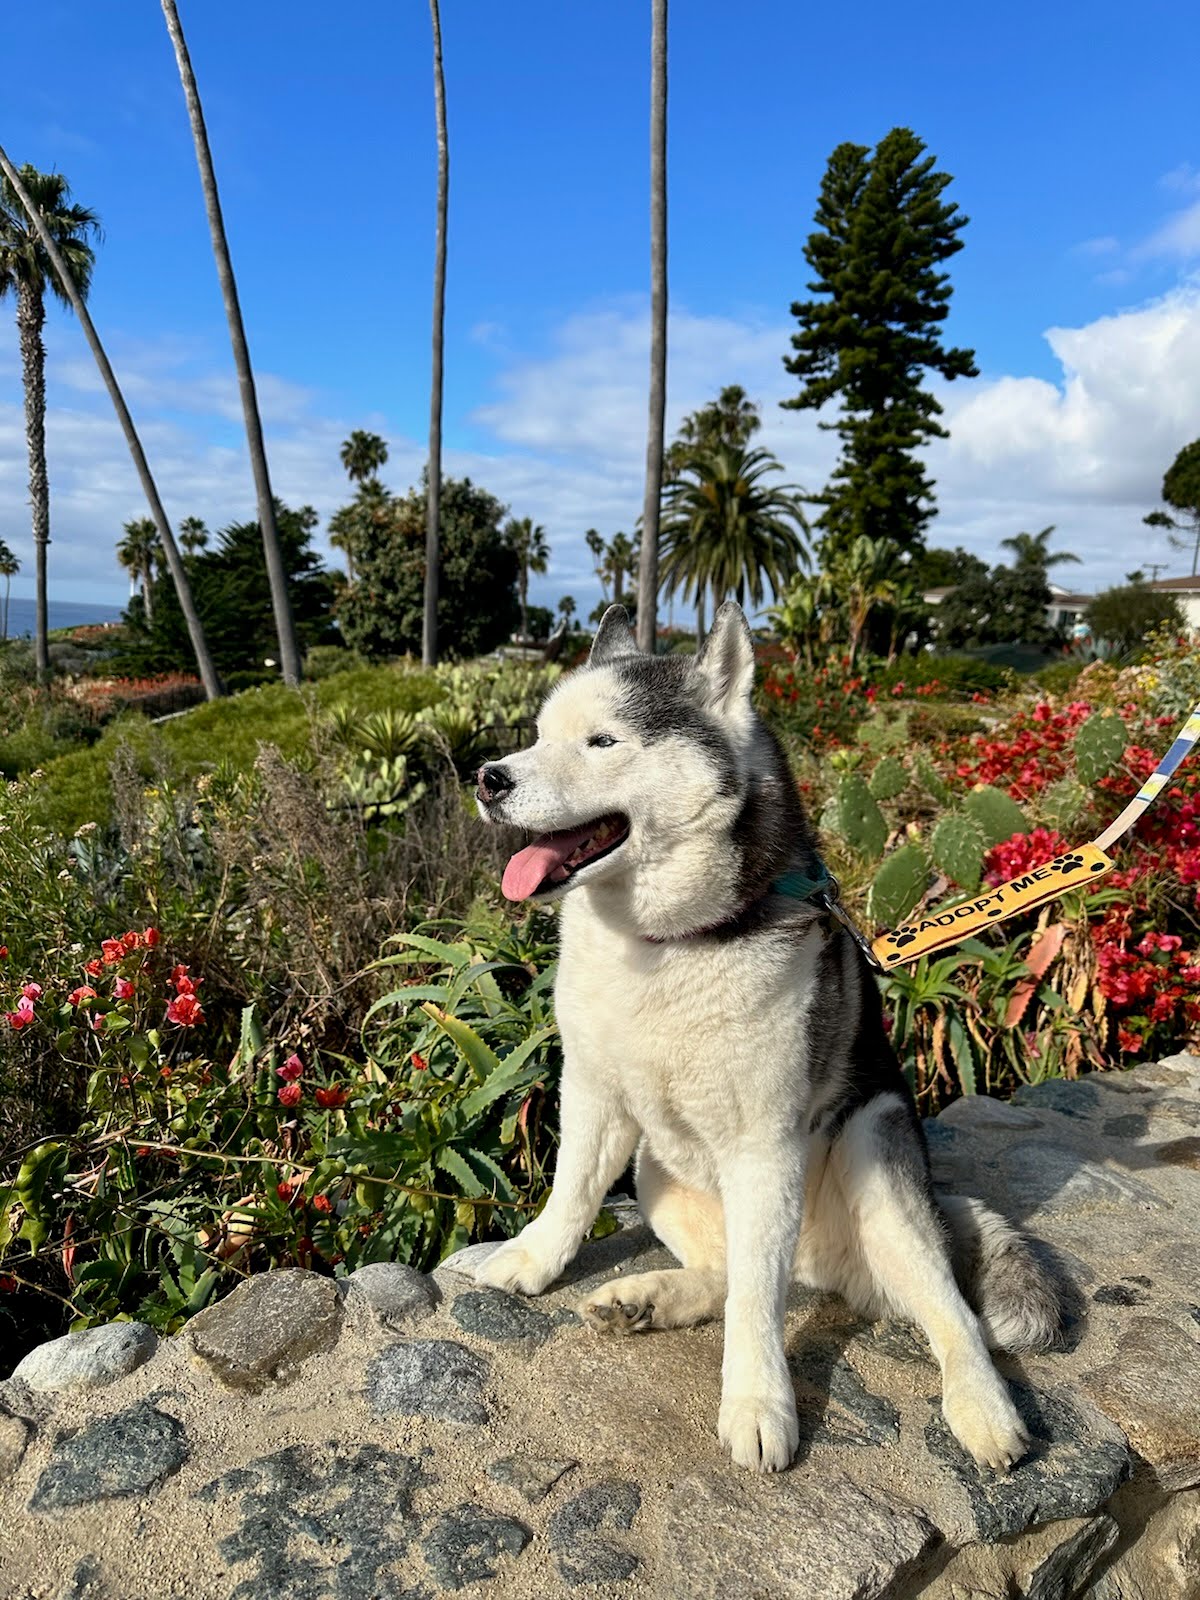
x=492, y=782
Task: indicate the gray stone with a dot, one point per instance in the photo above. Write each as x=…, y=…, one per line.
x=1075, y=1463
x=835, y=1405
x=533, y=1477
x=465, y=1544
x=1179, y=1153
x=1069, y=1099
x=1119, y=1294
x=795, y=1536
x=1067, y=1569
x=1130, y=1125
x=575, y=1532
x=14, y=1436
x=1151, y=1388
x=300, y=1504
x=428, y=1378
x=261, y=1332
x=88, y=1359
x=84, y=1582
x=940, y=1136
x=899, y=1340
x=466, y=1262
x=1058, y=1181
x=394, y=1294
x=981, y=1112
x=502, y=1318
x=113, y=1458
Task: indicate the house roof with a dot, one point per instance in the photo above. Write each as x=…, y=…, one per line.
x=1178, y=585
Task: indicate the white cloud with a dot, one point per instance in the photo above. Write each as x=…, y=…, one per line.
x=564, y=438
x=1177, y=239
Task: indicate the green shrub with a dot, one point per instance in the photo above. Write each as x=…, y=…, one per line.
x=959, y=676
x=1060, y=678
x=323, y=660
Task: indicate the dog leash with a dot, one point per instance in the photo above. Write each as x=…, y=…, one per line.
x=1071, y=870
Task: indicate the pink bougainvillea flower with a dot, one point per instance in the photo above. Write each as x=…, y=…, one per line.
x=291, y=1094
x=185, y=1010
x=330, y=1099
x=22, y=1016
x=32, y=991
x=78, y=996
x=124, y=989
x=291, y=1069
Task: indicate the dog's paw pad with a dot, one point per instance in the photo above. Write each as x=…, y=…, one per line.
x=989, y=1429
x=612, y=1315
x=759, y=1433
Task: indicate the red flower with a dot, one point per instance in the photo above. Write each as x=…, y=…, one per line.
x=322, y=1203
x=93, y=968
x=178, y=971
x=113, y=951
x=84, y=992
x=32, y=991
x=22, y=1016
x=8, y=1283
x=1129, y=1042
x=330, y=1099
x=3, y=952
x=131, y=940
x=151, y=937
x=291, y=1069
x=419, y=1061
x=291, y=1094
x=123, y=989
x=289, y=1190
x=185, y=1010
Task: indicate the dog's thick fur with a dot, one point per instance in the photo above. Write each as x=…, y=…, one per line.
x=734, y=1039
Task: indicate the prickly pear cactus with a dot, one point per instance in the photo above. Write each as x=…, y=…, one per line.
x=1099, y=745
x=899, y=884
x=860, y=821
x=996, y=813
x=932, y=784
x=958, y=849
x=889, y=779
x=1065, y=804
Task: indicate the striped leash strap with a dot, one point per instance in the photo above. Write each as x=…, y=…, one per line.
x=1074, y=868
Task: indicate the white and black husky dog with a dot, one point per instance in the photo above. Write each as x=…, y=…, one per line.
x=732, y=1035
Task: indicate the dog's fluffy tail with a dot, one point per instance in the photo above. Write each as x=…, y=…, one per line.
x=1019, y=1305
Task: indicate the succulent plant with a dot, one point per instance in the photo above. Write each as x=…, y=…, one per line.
x=1099, y=745
x=998, y=815
x=889, y=779
x=958, y=847
x=899, y=884
x=860, y=821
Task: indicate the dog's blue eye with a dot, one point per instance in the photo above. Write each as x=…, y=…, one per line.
x=601, y=741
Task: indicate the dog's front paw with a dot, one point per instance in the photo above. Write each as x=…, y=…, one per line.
x=617, y=1307
x=985, y=1422
x=517, y=1269
x=760, y=1431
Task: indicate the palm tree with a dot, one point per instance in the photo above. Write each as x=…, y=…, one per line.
x=137, y=552
x=9, y=567
x=596, y=545
x=727, y=531
x=363, y=454
x=528, y=539
x=433, y=487
x=193, y=535
x=647, y=617
x=26, y=273
x=1031, y=550
x=620, y=562
x=566, y=606
x=289, y=650
x=68, y=286
x=865, y=575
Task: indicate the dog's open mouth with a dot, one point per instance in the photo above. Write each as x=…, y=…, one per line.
x=552, y=858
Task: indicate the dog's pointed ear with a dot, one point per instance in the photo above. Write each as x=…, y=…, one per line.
x=613, y=638
x=726, y=663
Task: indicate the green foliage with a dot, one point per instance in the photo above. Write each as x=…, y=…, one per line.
x=233, y=599
x=1181, y=491
x=859, y=820
x=931, y=781
x=956, y=676
x=381, y=610
x=1126, y=617
x=889, y=779
x=998, y=816
x=1064, y=804
x=1060, y=678
x=897, y=886
x=1008, y=604
x=884, y=232
x=958, y=849
x=216, y=1167
x=1171, y=680
x=325, y=660
x=1099, y=746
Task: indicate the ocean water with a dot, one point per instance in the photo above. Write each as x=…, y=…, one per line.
x=63, y=614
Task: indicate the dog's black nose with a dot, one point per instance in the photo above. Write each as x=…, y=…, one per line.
x=493, y=781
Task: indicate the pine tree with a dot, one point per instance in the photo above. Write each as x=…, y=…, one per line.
x=883, y=234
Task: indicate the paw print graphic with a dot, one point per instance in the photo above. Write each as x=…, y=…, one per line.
x=1070, y=862
x=902, y=937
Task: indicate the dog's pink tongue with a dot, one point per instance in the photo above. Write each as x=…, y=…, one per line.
x=530, y=866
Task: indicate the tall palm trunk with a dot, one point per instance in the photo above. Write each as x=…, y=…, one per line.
x=289, y=651
x=433, y=490
x=147, y=591
x=699, y=615
x=523, y=596
x=647, y=615
x=204, y=663
x=31, y=318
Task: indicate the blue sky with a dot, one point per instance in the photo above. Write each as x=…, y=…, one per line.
x=1069, y=131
